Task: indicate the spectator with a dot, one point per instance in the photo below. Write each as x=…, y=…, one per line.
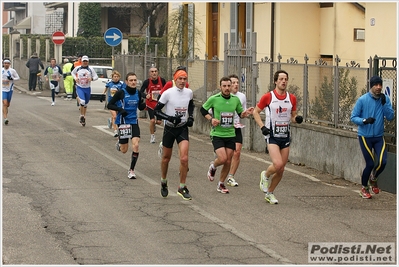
x=33, y=64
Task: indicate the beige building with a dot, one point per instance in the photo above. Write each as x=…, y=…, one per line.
x=354, y=31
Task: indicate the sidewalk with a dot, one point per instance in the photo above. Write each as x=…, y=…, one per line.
x=23, y=87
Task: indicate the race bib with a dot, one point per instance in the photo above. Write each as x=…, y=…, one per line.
x=226, y=119
x=155, y=94
x=125, y=131
x=6, y=83
x=281, y=128
x=181, y=112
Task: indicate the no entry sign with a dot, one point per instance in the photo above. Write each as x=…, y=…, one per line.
x=58, y=38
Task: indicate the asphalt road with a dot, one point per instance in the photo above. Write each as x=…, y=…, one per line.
x=67, y=200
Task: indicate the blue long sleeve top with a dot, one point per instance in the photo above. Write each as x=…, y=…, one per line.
x=368, y=106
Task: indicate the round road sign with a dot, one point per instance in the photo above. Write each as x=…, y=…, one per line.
x=58, y=38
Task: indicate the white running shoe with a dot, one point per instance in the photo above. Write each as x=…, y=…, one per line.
x=131, y=174
x=231, y=181
x=116, y=134
x=152, y=139
x=160, y=150
x=264, y=182
x=52, y=103
x=269, y=197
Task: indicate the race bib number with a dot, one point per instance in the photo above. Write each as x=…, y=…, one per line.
x=281, y=128
x=6, y=83
x=226, y=119
x=125, y=131
x=155, y=94
x=181, y=112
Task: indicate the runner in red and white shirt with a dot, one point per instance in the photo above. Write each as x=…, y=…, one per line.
x=151, y=89
x=280, y=110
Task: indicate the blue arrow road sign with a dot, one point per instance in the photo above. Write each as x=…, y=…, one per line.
x=113, y=36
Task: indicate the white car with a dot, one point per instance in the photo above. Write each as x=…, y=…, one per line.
x=104, y=75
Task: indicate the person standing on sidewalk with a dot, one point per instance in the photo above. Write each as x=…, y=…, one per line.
x=281, y=111
x=152, y=88
x=223, y=135
x=53, y=74
x=126, y=101
x=33, y=64
x=8, y=77
x=369, y=113
x=235, y=161
x=178, y=116
x=68, y=79
x=111, y=88
x=83, y=76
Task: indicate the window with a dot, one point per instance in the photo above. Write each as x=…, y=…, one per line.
x=359, y=35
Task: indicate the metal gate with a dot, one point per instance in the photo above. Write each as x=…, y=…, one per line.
x=240, y=59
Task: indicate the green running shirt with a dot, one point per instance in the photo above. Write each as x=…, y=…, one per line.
x=223, y=109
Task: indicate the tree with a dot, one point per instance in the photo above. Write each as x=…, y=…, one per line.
x=182, y=32
x=156, y=12
x=89, y=20
x=323, y=105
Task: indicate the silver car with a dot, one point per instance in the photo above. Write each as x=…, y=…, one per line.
x=104, y=75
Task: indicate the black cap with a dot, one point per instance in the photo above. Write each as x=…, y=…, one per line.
x=375, y=80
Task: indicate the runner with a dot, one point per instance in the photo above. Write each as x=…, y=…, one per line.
x=110, y=89
x=9, y=76
x=152, y=88
x=223, y=106
x=83, y=76
x=235, y=161
x=281, y=111
x=179, y=109
x=53, y=75
x=126, y=101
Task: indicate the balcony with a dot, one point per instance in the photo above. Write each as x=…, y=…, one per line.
x=14, y=6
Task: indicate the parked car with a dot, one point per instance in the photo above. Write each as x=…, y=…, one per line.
x=104, y=75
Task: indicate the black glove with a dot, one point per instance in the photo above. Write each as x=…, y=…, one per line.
x=190, y=122
x=123, y=113
x=10, y=78
x=265, y=131
x=175, y=119
x=102, y=98
x=299, y=119
x=369, y=120
x=383, y=99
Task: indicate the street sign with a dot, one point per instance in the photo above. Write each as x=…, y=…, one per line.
x=58, y=38
x=113, y=36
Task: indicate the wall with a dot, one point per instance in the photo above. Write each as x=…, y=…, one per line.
x=381, y=39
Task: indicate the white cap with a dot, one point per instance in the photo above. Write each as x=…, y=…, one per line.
x=85, y=58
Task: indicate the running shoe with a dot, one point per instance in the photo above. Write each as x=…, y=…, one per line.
x=116, y=133
x=269, y=197
x=164, y=189
x=231, y=181
x=364, y=193
x=211, y=172
x=52, y=103
x=118, y=146
x=109, y=123
x=131, y=174
x=160, y=150
x=6, y=121
x=82, y=120
x=222, y=189
x=183, y=192
x=373, y=185
x=152, y=141
x=264, y=182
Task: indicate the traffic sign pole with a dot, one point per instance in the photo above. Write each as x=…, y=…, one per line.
x=58, y=39
x=113, y=37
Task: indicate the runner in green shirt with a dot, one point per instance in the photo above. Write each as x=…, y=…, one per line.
x=223, y=106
